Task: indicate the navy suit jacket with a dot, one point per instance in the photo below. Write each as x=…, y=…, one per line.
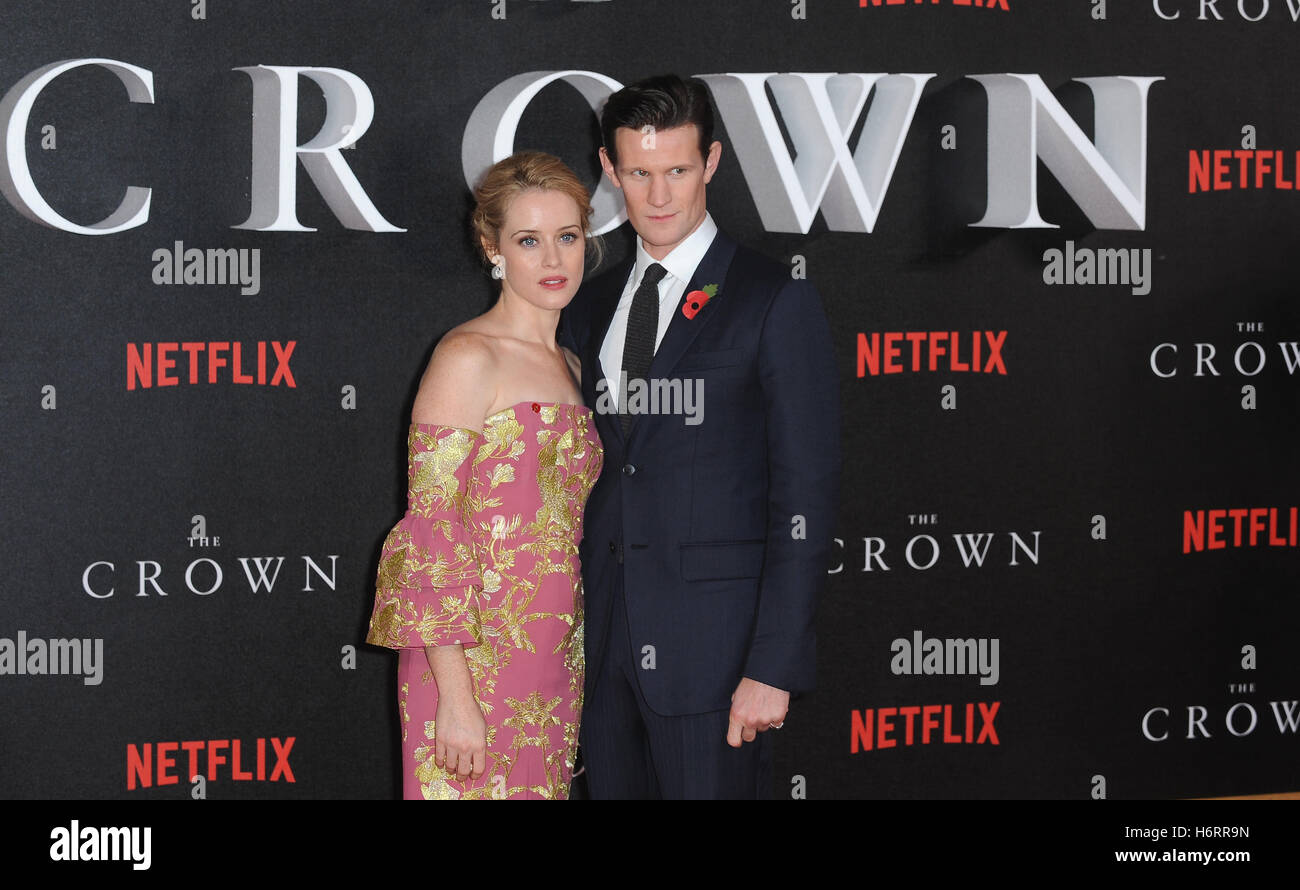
x=719, y=533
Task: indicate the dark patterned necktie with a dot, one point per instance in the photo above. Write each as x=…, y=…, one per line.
x=642, y=329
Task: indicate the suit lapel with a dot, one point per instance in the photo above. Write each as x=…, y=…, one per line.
x=682, y=331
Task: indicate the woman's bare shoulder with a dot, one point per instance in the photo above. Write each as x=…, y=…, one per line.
x=459, y=384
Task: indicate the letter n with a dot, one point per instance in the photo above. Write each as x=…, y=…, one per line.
x=1026, y=123
x=860, y=737
x=139, y=768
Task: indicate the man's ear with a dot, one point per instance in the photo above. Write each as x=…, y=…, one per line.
x=608, y=166
x=711, y=162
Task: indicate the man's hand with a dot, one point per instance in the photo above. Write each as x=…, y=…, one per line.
x=755, y=707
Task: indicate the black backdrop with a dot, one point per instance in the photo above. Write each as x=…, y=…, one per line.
x=1080, y=449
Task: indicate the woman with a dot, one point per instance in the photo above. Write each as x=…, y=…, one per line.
x=479, y=585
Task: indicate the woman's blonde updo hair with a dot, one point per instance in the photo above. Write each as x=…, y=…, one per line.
x=509, y=178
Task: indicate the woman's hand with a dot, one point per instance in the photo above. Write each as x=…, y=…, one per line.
x=460, y=735
x=459, y=730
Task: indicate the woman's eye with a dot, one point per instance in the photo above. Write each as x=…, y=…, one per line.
x=569, y=237
x=528, y=241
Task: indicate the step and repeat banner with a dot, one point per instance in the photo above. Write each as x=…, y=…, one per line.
x=1056, y=242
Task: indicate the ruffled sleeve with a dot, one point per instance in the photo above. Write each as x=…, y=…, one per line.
x=429, y=576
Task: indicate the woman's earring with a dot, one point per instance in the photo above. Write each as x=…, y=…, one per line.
x=498, y=267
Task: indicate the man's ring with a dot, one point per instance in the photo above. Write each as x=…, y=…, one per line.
x=776, y=725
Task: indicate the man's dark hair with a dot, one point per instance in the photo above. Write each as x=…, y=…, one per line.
x=662, y=102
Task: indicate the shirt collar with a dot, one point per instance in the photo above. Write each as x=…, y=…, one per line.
x=682, y=261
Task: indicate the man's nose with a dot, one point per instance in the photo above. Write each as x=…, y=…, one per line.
x=660, y=194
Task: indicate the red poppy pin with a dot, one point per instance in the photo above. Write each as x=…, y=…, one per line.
x=696, y=299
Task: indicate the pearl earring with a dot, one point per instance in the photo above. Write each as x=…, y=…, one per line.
x=498, y=267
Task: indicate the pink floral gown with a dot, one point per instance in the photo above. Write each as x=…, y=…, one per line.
x=487, y=556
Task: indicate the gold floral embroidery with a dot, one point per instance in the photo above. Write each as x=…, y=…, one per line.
x=427, y=553
x=433, y=467
x=512, y=556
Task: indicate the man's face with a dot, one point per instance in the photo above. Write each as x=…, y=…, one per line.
x=662, y=176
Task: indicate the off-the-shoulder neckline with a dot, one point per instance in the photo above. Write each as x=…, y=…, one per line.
x=503, y=411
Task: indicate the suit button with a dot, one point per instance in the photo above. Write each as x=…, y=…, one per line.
x=628, y=469
x=612, y=548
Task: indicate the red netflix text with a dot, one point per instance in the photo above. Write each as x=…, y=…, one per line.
x=170, y=364
x=880, y=727
x=986, y=4
x=1241, y=168
x=898, y=351
x=1242, y=527
x=214, y=755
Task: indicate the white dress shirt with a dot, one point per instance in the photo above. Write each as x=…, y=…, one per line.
x=680, y=263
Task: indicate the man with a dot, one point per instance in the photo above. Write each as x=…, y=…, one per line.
x=707, y=536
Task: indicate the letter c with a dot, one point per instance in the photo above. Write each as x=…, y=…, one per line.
x=85, y=580
x=1145, y=729
x=1155, y=4
x=1156, y=370
x=16, y=181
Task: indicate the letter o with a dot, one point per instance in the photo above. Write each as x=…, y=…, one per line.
x=1253, y=719
x=934, y=552
x=1236, y=358
x=189, y=573
x=490, y=133
x=1241, y=8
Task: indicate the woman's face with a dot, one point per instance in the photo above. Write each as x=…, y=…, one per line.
x=543, y=247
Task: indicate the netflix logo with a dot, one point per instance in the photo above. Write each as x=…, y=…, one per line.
x=985, y=4
x=159, y=762
x=1242, y=168
x=170, y=364
x=977, y=352
x=877, y=728
x=1240, y=527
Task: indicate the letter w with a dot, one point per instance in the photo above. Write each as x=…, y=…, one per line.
x=974, y=542
x=1292, y=360
x=820, y=112
x=262, y=562
x=1292, y=715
